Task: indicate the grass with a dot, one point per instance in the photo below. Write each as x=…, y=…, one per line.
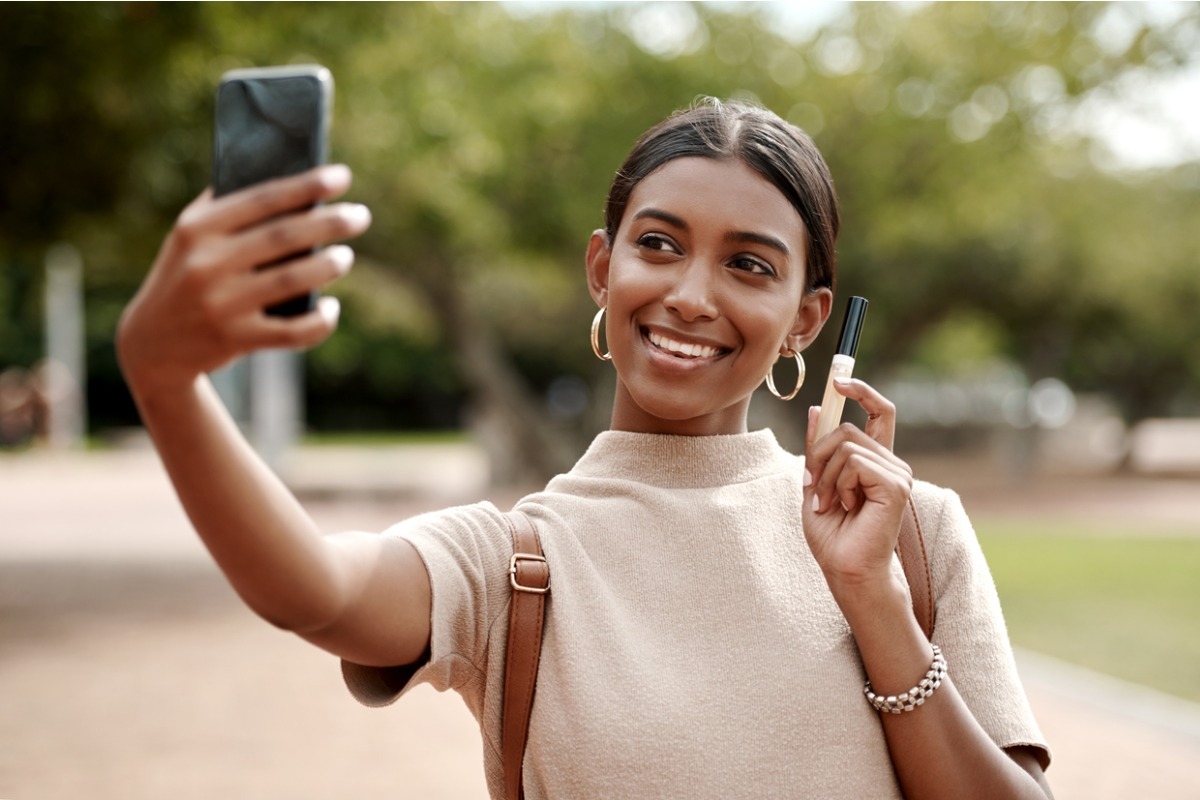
x=1127, y=607
x=385, y=438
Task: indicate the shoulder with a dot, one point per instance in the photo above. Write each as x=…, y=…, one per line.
x=477, y=519
x=949, y=536
x=939, y=510
x=471, y=539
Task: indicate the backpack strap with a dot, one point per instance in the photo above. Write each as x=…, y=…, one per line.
x=915, y=561
x=529, y=575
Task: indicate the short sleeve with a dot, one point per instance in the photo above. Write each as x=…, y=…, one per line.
x=970, y=625
x=466, y=551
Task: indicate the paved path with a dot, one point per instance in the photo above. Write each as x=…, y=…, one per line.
x=128, y=669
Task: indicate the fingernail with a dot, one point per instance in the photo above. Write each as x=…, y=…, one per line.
x=357, y=213
x=807, y=478
x=330, y=309
x=843, y=381
x=336, y=175
x=816, y=504
x=343, y=258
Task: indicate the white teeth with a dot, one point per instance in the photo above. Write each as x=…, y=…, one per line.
x=689, y=350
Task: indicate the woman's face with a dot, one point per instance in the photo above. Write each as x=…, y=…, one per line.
x=704, y=285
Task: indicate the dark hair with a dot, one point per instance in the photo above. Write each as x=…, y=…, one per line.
x=779, y=151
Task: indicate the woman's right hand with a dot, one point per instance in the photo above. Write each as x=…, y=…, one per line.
x=203, y=302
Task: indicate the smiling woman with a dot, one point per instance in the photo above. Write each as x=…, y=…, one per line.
x=705, y=286
x=716, y=258
x=717, y=603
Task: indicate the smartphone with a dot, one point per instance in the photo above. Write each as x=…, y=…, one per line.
x=271, y=122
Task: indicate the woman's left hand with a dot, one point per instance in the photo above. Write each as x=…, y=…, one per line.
x=856, y=497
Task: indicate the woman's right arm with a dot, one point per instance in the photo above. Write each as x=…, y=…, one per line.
x=360, y=596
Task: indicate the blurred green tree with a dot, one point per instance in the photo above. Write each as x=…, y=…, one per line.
x=89, y=101
x=971, y=187
x=484, y=136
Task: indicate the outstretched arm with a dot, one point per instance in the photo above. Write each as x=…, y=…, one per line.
x=853, y=507
x=201, y=306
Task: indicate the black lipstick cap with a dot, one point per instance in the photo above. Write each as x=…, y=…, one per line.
x=856, y=312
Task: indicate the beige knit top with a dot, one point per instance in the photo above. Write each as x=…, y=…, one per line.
x=692, y=647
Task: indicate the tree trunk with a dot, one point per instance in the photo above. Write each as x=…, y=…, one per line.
x=505, y=416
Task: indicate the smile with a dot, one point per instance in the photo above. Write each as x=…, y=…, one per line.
x=682, y=349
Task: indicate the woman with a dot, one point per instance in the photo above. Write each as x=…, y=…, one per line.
x=717, y=602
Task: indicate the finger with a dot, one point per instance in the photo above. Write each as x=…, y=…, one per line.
x=869, y=479
x=198, y=205
x=828, y=456
x=829, y=487
x=262, y=201
x=819, y=452
x=190, y=227
x=275, y=284
x=204, y=198
x=881, y=412
x=849, y=433
x=859, y=474
x=285, y=237
x=846, y=442
x=255, y=332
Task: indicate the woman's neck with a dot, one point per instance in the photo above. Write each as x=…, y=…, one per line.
x=630, y=417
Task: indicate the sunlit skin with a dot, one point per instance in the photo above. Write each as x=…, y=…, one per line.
x=710, y=255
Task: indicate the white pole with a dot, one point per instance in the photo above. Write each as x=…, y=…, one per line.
x=276, y=402
x=64, y=372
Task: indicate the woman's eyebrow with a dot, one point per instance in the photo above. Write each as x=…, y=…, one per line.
x=733, y=236
x=758, y=238
x=663, y=216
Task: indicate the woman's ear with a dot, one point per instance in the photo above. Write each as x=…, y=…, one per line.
x=598, y=254
x=810, y=319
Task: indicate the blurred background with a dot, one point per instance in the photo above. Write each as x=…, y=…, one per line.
x=1020, y=186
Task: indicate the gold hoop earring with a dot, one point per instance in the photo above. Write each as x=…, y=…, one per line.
x=596, y=337
x=799, y=377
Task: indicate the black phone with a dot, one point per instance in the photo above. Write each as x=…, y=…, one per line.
x=271, y=122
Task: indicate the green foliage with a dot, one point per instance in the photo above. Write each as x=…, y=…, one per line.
x=484, y=139
x=1121, y=605
x=960, y=344
x=73, y=126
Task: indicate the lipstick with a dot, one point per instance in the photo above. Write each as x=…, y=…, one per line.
x=842, y=366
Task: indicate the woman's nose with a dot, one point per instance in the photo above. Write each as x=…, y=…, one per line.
x=692, y=294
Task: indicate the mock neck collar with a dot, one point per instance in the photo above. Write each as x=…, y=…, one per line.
x=684, y=462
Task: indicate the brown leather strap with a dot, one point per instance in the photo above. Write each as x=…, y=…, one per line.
x=529, y=575
x=914, y=559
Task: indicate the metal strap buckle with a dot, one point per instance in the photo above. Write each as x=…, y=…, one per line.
x=512, y=573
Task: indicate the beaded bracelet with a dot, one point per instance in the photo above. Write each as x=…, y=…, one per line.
x=916, y=695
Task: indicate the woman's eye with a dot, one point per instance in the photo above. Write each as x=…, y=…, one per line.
x=752, y=265
x=653, y=241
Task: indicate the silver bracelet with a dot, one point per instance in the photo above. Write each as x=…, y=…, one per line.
x=916, y=695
